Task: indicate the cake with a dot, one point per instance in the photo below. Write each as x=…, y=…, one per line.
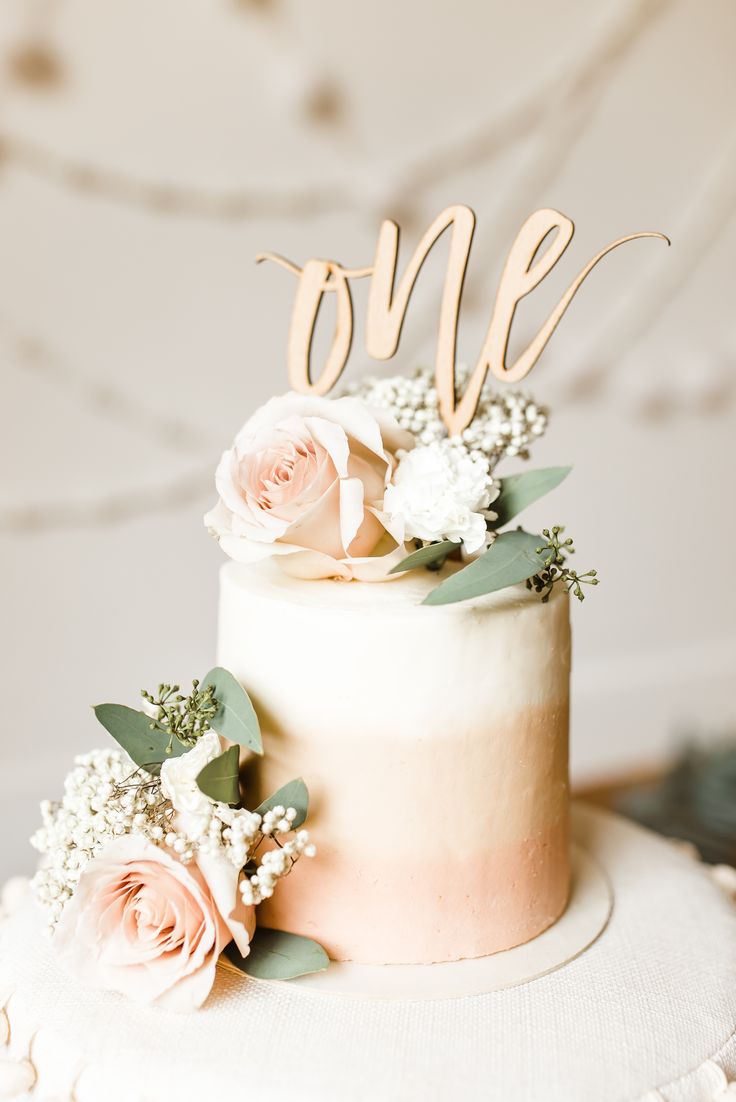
x=435, y=745
x=391, y=640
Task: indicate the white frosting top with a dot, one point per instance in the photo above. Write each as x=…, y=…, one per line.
x=402, y=593
x=374, y=642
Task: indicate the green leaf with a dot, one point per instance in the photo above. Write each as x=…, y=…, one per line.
x=132, y=730
x=294, y=794
x=520, y=490
x=426, y=556
x=220, y=777
x=511, y=558
x=235, y=718
x=276, y=955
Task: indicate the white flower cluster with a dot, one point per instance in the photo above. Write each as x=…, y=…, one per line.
x=505, y=424
x=205, y=826
x=278, y=820
x=226, y=831
x=106, y=796
x=442, y=491
x=276, y=863
x=103, y=798
x=235, y=830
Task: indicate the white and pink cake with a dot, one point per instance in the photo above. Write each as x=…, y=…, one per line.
x=389, y=638
x=435, y=744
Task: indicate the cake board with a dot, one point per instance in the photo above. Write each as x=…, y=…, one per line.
x=583, y=921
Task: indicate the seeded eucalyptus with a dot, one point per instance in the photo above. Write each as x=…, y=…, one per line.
x=555, y=552
x=217, y=703
x=185, y=718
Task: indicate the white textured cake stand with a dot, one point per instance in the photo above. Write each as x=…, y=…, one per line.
x=646, y=1013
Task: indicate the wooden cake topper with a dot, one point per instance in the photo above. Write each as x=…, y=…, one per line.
x=525, y=267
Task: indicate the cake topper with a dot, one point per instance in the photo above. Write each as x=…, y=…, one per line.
x=526, y=266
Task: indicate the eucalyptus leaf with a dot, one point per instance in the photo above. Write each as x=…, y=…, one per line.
x=276, y=955
x=511, y=558
x=432, y=554
x=235, y=718
x=520, y=490
x=220, y=778
x=132, y=730
x=294, y=794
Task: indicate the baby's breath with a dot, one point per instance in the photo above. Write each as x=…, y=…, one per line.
x=105, y=796
x=261, y=879
x=505, y=423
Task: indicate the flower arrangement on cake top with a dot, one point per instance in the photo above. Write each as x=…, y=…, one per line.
x=152, y=868
x=370, y=485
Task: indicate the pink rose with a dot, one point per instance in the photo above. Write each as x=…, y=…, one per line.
x=305, y=480
x=144, y=924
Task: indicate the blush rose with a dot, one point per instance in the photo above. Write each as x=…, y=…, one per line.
x=305, y=480
x=146, y=925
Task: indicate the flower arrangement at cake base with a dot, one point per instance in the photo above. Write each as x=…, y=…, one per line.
x=152, y=868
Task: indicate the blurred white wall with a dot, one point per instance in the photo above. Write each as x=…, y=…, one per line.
x=135, y=338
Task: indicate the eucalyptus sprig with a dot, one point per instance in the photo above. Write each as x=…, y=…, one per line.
x=218, y=702
x=555, y=551
x=185, y=718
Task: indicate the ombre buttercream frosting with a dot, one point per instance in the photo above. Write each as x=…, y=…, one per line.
x=434, y=741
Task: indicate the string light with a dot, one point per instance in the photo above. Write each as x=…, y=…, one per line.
x=108, y=509
x=34, y=61
x=35, y=64
x=261, y=7
x=423, y=171
x=35, y=356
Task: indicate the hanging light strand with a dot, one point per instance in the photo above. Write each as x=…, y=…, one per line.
x=107, y=509
x=37, y=358
x=446, y=159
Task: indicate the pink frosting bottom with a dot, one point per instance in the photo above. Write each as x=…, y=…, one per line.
x=385, y=911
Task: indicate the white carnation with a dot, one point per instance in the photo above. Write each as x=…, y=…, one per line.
x=440, y=491
x=179, y=782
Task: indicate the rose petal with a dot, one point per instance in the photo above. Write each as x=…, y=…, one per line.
x=222, y=880
x=352, y=512
x=313, y=565
x=333, y=439
x=319, y=526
